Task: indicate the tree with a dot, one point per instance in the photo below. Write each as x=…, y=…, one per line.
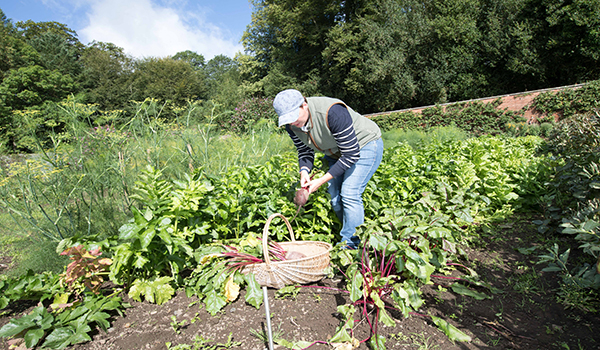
x=57, y=53
x=388, y=54
x=570, y=36
x=195, y=60
x=30, y=30
x=14, y=51
x=106, y=75
x=292, y=34
x=223, y=81
x=32, y=85
x=167, y=79
x=371, y=54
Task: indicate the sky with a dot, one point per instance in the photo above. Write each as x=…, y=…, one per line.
x=145, y=28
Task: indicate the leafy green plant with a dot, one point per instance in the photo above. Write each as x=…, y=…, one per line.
x=569, y=102
x=575, y=281
x=288, y=291
x=157, y=290
x=216, y=285
x=162, y=234
x=30, y=286
x=65, y=327
x=177, y=325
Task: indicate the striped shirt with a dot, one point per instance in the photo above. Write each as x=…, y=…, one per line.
x=340, y=126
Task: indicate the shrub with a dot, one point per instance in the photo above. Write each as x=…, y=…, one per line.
x=247, y=114
x=473, y=117
x=569, y=102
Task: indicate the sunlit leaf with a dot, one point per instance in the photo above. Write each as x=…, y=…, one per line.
x=452, y=332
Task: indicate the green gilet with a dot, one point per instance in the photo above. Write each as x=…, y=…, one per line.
x=318, y=136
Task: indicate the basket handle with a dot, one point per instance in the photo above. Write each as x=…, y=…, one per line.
x=266, y=235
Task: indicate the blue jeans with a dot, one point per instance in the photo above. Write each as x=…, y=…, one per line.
x=346, y=190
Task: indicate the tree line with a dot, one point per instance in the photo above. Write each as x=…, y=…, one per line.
x=383, y=55
x=376, y=55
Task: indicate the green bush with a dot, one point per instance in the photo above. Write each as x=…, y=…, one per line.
x=572, y=205
x=247, y=115
x=569, y=102
x=476, y=118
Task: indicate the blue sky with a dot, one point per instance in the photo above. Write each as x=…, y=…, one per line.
x=145, y=28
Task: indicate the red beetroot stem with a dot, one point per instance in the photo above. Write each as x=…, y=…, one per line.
x=388, y=268
x=383, y=259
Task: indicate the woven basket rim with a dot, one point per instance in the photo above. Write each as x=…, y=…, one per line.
x=276, y=269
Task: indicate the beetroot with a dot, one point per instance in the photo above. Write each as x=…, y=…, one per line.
x=301, y=197
x=293, y=255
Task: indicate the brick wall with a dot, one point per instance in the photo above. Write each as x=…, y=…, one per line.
x=512, y=102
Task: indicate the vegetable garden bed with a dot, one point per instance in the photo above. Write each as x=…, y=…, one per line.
x=524, y=315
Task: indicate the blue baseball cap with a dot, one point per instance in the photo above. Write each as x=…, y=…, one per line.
x=287, y=105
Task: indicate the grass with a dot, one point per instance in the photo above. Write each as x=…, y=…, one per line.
x=419, y=138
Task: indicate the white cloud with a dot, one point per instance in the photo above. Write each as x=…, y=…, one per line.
x=143, y=28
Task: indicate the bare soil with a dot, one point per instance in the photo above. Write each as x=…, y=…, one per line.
x=526, y=315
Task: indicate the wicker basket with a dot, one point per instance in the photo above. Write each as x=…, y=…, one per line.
x=278, y=274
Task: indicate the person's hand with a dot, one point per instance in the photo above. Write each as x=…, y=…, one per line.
x=304, y=178
x=316, y=183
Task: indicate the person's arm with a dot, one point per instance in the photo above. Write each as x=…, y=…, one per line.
x=306, y=157
x=340, y=125
x=342, y=129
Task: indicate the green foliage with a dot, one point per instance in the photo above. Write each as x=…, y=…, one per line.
x=578, y=283
x=58, y=52
x=475, y=118
x=505, y=170
x=571, y=205
x=156, y=291
x=32, y=85
x=575, y=141
x=195, y=60
x=401, y=249
x=249, y=115
x=167, y=79
x=106, y=70
x=164, y=233
x=68, y=327
x=30, y=286
x=569, y=102
x=417, y=138
x=64, y=323
x=209, y=280
x=385, y=55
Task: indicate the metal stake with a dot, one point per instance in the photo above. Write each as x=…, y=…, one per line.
x=268, y=314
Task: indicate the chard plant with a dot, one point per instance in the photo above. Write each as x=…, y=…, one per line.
x=217, y=279
x=87, y=269
x=401, y=251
